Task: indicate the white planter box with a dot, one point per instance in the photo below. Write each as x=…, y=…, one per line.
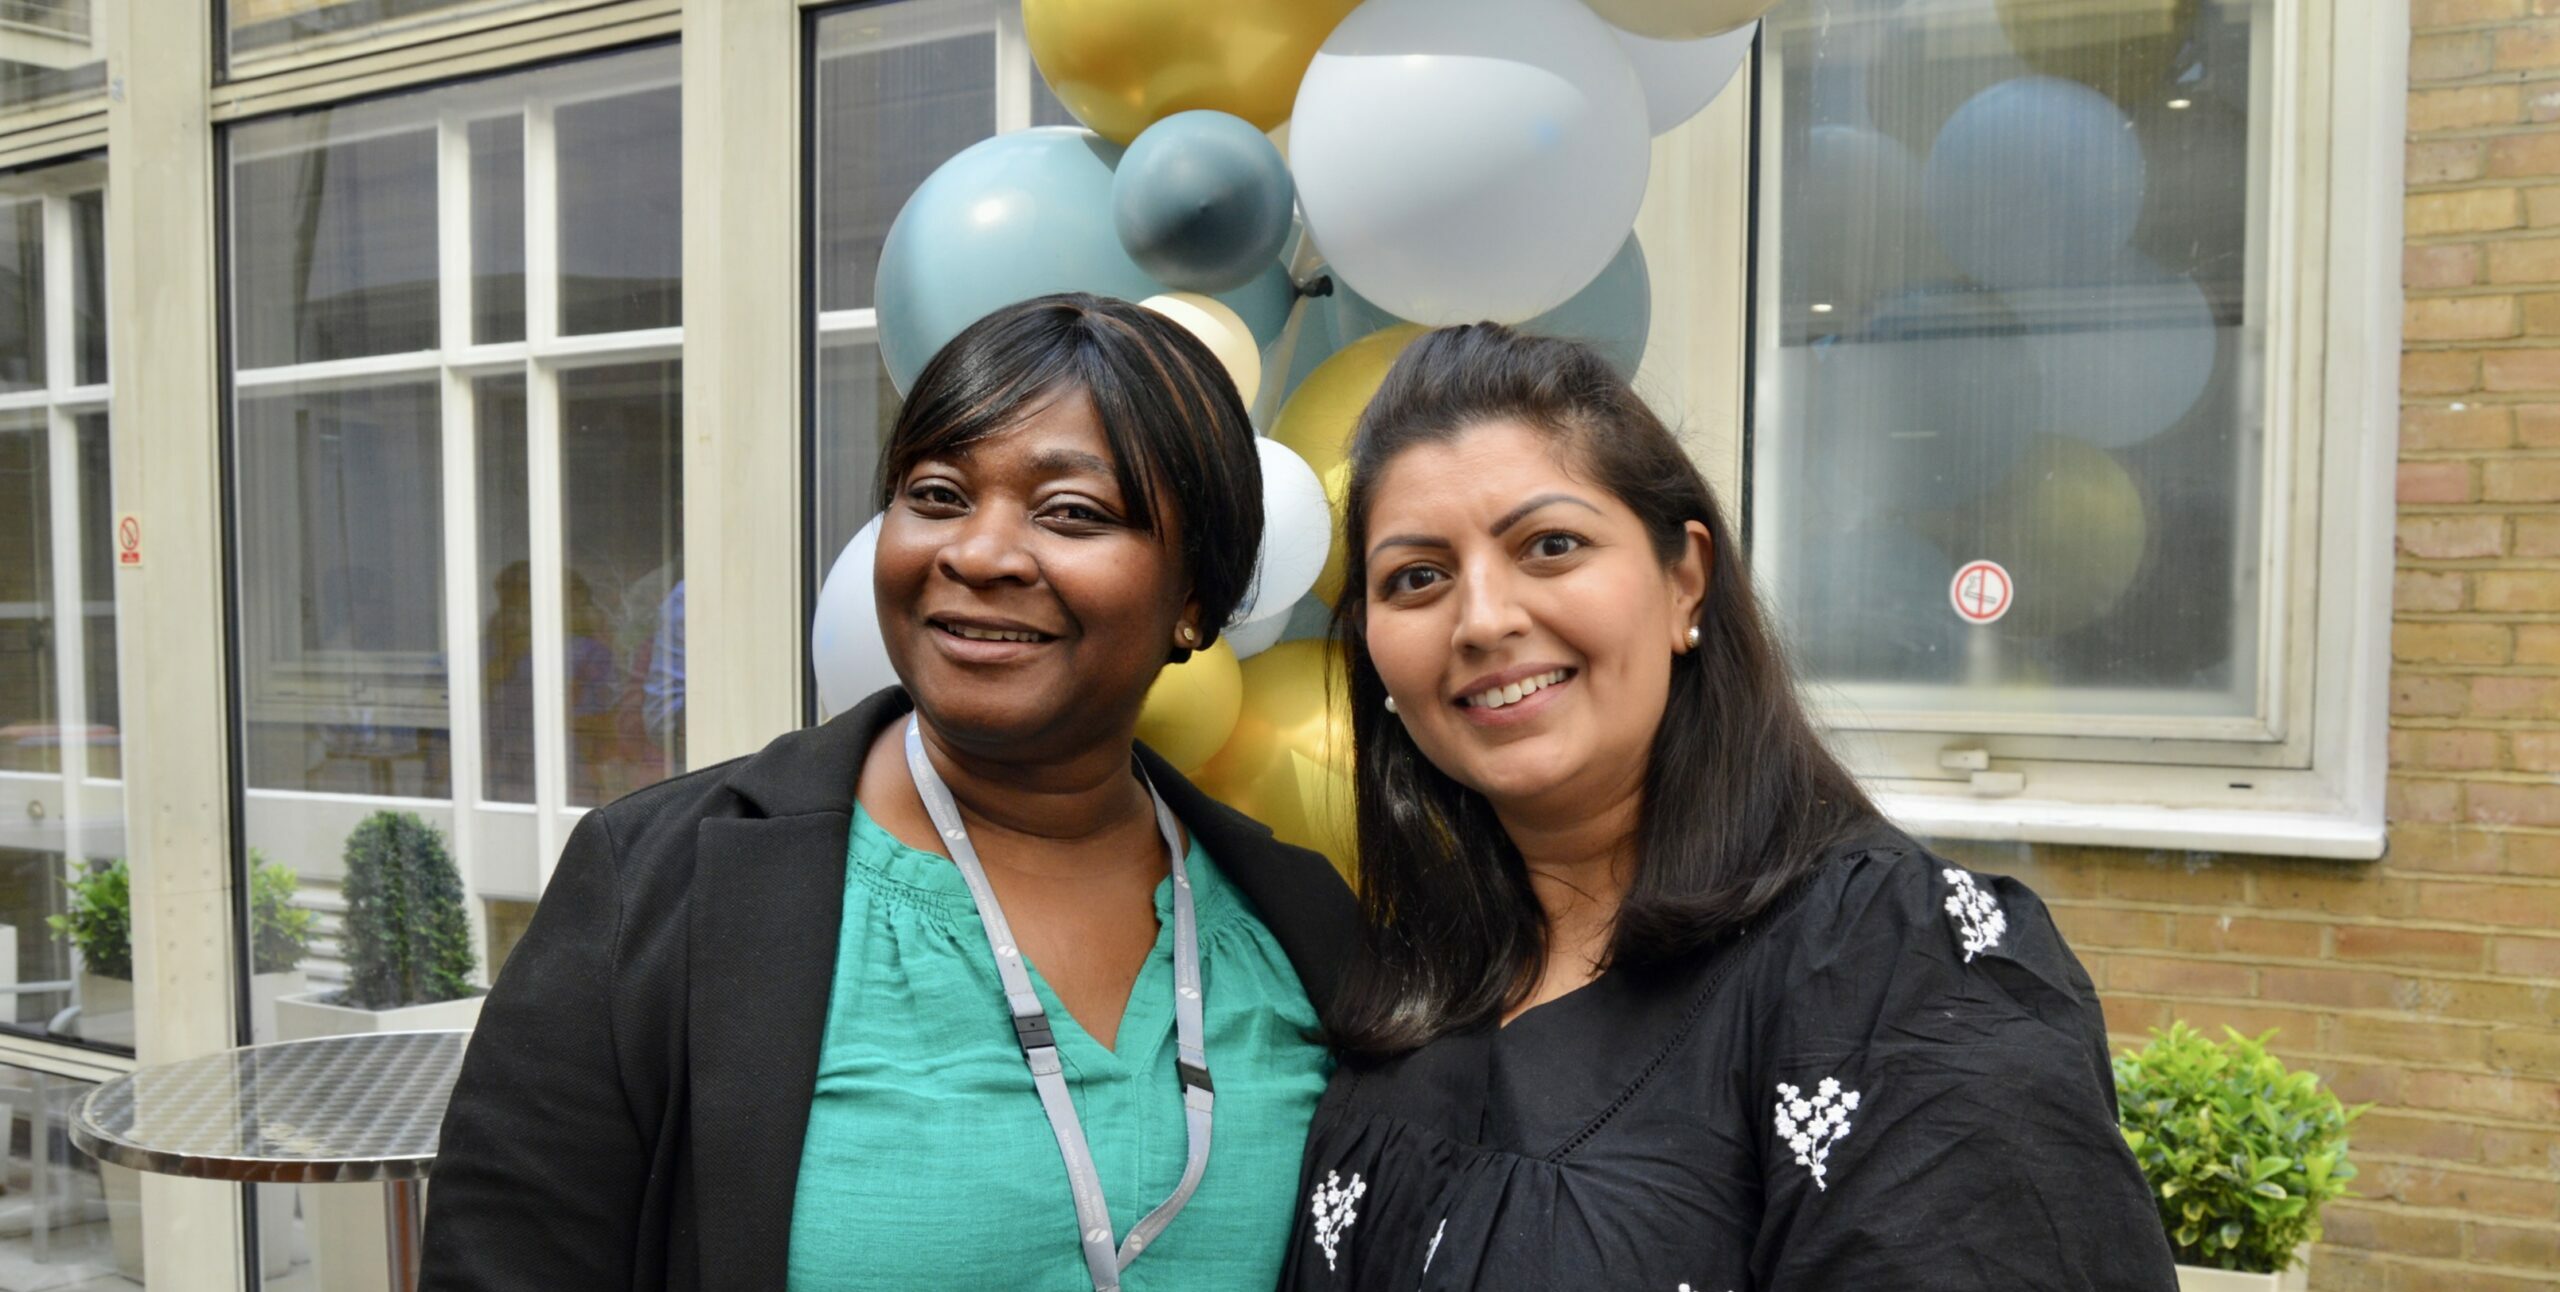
x=106, y=1010
x=2196, y=1278
x=345, y=1220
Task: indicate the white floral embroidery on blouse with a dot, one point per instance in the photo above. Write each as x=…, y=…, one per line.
x=1811, y=1125
x=1979, y=920
x=1335, y=1205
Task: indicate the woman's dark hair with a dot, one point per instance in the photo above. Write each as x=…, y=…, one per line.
x=1181, y=445
x=1740, y=797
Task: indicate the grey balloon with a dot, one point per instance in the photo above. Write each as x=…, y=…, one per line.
x=1202, y=201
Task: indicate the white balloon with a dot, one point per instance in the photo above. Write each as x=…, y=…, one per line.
x=2135, y=358
x=1221, y=329
x=1297, y=534
x=1679, y=19
x=845, y=648
x=1251, y=639
x=1682, y=76
x=1460, y=160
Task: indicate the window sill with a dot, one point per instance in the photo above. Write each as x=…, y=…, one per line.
x=2342, y=834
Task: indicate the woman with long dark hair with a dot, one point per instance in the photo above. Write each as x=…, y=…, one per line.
x=952, y=991
x=1651, y=996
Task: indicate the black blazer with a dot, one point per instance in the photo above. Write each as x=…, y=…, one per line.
x=631, y=1109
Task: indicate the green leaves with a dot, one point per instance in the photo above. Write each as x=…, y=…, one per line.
x=408, y=934
x=2241, y=1151
x=99, y=919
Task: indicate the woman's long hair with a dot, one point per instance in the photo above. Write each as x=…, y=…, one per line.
x=1741, y=799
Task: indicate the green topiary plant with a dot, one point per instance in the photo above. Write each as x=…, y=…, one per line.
x=2241, y=1152
x=408, y=934
x=279, y=931
x=99, y=920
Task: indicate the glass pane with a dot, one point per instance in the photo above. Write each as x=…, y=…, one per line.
x=341, y=591
x=98, y=597
x=622, y=529
x=30, y=739
x=22, y=339
x=89, y=287
x=621, y=207
x=334, y=244
x=67, y=1221
x=892, y=105
x=497, y=229
x=506, y=593
x=2015, y=321
x=53, y=51
x=266, y=29
x=856, y=408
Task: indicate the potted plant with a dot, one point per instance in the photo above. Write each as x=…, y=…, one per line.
x=99, y=922
x=2241, y=1152
x=279, y=937
x=406, y=937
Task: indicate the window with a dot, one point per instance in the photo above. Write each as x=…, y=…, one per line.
x=265, y=30
x=2036, y=473
x=60, y=733
x=458, y=469
x=900, y=89
x=51, y=51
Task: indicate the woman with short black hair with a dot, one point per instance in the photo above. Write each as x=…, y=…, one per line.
x=952, y=990
x=1650, y=995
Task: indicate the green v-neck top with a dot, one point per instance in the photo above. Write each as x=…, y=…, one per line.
x=928, y=1162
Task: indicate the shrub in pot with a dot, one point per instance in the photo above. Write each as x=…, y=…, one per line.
x=98, y=919
x=2240, y=1151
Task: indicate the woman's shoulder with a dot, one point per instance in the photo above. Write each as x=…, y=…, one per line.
x=1884, y=918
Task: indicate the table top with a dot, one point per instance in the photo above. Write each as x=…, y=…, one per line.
x=337, y=1109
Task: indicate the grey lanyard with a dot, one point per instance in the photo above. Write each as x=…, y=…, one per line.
x=1040, y=1046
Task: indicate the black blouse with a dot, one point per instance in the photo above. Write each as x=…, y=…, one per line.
x=1895, y=1079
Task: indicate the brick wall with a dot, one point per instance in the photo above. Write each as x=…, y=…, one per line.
x=2428, y=983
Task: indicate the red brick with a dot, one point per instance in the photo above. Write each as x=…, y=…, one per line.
x=2496, y=803
x=2525, y=957
x=2499, y=1195
x=2420, y=592
x=2524, y=1247
x=2517, y=1148
x=2439, y=372
x=2445, y=751
x=2156, y=976
x=2538, y=426
x=2416, y=948
x=2446, y=849
x=2410, y=798
x=2535, y=856
x=2184, y=879
x=2530, y=369
x=2537, y=751
x=2452, y=538
x=2328, y=988
x=2390, y=1229
x=2536, y=535
x=2535, y=152
x=2337, y=888
x=2398, y=1134
x=2532, y=1051
x=2422, y=268
x=2232, y=935
x=2521, y=480
x=2425, y=427
x=2103, y=926
x=2131, y=1018
x=2482, y=1093
x=2390, y=1038
x=2514, y=697
x=2435, y=482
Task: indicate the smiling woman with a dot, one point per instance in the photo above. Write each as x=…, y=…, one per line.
x=1639, y=956
x=976, y=872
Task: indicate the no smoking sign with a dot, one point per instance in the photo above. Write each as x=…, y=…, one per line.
x=1982, y=592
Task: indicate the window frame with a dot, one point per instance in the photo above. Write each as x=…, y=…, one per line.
x=2312, y=783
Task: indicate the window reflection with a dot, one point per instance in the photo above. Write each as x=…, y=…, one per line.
x=621, y=231
x=622, y=485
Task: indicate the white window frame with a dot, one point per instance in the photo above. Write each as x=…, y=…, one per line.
x=504, y=851
x=67, y=811
x=2305, y=777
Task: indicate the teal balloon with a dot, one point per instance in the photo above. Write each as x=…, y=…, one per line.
x=1202, y=201
x=1613, y=315
x=1012, y=217
x=1319, y=336
x=1263, y=303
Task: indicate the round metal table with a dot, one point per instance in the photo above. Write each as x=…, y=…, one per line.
x=335, y=1110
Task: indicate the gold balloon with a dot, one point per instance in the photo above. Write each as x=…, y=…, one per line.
x=1123, y=65
x=1288, y=764
x=1322, y=412
x=1679, y=19
x=2068, y=524
x=2120, y=48
x=1337, y=494
x=1192, y=708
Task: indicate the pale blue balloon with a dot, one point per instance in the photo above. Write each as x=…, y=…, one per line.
x=1012, y=217
x=2034, y=182
x=1613, y=315
x=1264, y=303
x=1202, y=201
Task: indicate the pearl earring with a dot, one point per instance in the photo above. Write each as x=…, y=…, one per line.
x=1693, y=637
x=1191, y=635
x=1391, y=704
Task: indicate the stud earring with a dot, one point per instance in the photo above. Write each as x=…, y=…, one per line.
x=1693, y=637
x=1391, y=704
x=1189, y=635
